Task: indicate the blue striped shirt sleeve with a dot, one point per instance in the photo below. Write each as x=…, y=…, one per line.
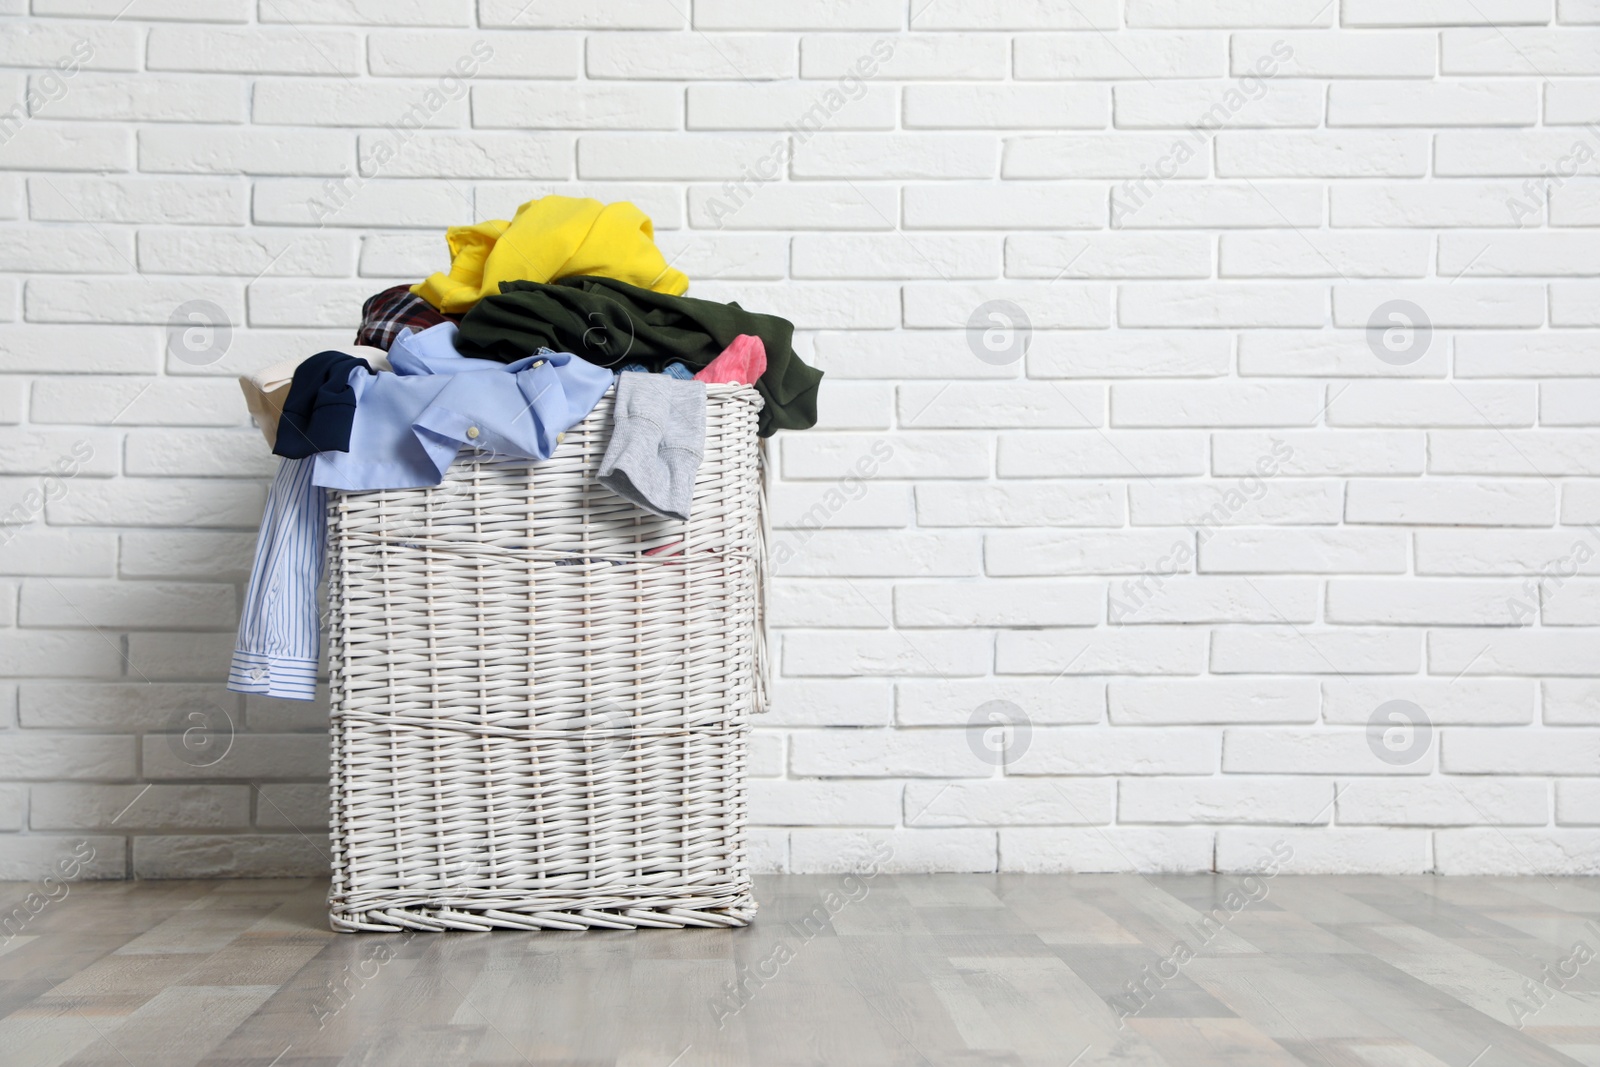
x=280, y=628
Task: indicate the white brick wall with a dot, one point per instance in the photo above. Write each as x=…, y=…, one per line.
x=1244, y=569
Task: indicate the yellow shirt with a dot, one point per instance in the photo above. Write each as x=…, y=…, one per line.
x=550, y=238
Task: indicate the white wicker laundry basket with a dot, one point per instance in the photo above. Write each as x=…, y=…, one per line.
x=541, y=693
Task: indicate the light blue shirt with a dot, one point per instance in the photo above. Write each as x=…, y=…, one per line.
x=409, y=425
x=276, y=651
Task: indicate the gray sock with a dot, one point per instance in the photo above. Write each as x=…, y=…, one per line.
x=658, y=435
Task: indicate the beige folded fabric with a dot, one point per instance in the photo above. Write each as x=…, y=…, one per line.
x=266, y=390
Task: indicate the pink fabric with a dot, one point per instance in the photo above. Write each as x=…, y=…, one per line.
x=741, y=363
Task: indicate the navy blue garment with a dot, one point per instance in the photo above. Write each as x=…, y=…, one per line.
x=320, y=407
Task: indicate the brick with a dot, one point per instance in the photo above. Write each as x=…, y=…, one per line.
x=1255, y=502
x=436, y=53
x=830, y=851
x=1465, y=304
x=1047, y=305
x=151, y=10
x=894, y=256
x=1122, y=155
x=950, y=107
x=886, y=753
x=808, y=506
x=1577, y=803
x=1446, y=12
x=1033, y=504
x=1416, y=601
x=1425, y=204
x=186, y=554
x=831, y=702
x=355, y=202
x=957, y=701
x=811, y=206
x=1322, y=254
x=909, y=56
x=1316, y=453
x=68, y=146
x=1290, y=650
x=452, y=155
x=256, y=50
x=599, y=15
x=1572, y=103
x=582, y=107
x=1210, y=304
x=1041, y=850
x=1536, y=454
x=1160, y=404
x=250, y=757
x=1109, y=255
x=1324, y=54
x=68, y=252
x=1211, y=701
x=251, y=253
x=44, y=43
x=911, y=455
x=1294, y=14
x=1521, y=52
x=135, y=402
x=1132, y=354
x=1452, y=503
x=147, y=98
x=1325, y=154
x=791, y=105
x=63, y=602
x=175, y=502
x=1128, y=54
x=863, y=553
x=1010, y=803
x=1519, y=652
x=342, y=102
x=828, y=604
x=1209, y=105
x=1091, y=750
x=292, y=806
x=372, y=12
x=1118, y=454
x=1567, y=602
x=676, y=56
x=1492, y=851
x=891, y=155
x=1473, y=153
x=285, y=855
x=1143, y=650
x=811, y=306
x=37, y=856
x=54, y=452
x=1212, y=205
x=1574, y=304
x=1537, y=254
x=158, y=200
x=1001, y=405
x=1253, y=800
x=1332, y=353
x=1568, y=403
x=1088, y=552
x=1312, y=752
x=1324, y=850
x=124, y=300
x=839, y=803
x=32, y=757
x=1211, y=600
x=999, y=603
x=1499, y=552
x=134, y=807
x=1489, y=701
x=1016, y=15
x=1034, y=205
x=1406, y=103
x=800, y=15
x=41, y=550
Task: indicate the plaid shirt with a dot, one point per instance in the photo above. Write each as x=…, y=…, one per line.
x=385, y=314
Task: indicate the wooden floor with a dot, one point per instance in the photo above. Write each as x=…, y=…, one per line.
x=933, y=970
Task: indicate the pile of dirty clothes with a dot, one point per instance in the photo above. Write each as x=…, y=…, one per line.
x=537, y=319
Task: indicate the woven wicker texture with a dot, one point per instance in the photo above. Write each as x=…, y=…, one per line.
x=541, y=693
